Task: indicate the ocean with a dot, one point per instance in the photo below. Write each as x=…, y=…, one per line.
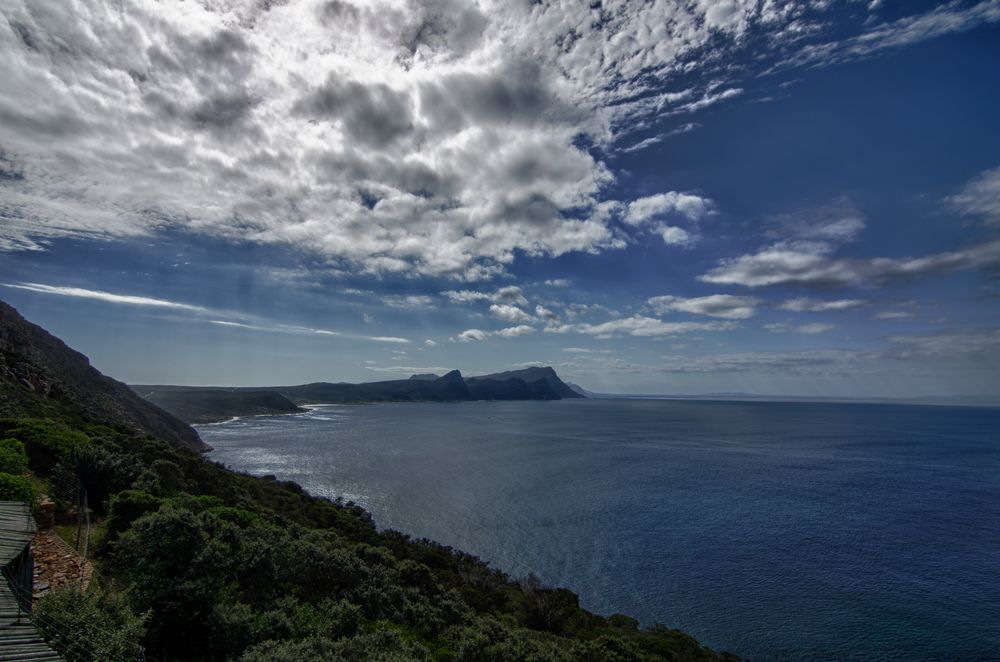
x=777, y=531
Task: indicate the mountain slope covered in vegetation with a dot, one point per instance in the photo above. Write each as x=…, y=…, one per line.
x=39, y=373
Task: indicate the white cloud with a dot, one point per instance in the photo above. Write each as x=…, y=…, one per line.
x=558, y=282
x=132, y=300
x=726, y=306
x=510, y=294
x=431, y=138
x=980, y=197
x=660, y=137
x=470, y=335
x=675, y=236
x=516, y=331
x=107, y=297
x=803, y=304
x=648, y=327
x=291, y=328
x=430, y=343
x=544, y=313
x=809, y=265
x=388, y=339
x=892, y=315
x=814, y=328
x=950, y=17
x=687, y=205
x=408, y=300
x=509, y=313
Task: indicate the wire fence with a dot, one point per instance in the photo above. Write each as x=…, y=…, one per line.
x=65, y=640
x=69, y=489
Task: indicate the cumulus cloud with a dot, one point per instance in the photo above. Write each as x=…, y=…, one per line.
x=430, y=343
x=726, y=306
x=470, y=335
x=510, y=294
x=544, y=313
x=675, y=236
x=509, y=313
x=516, y=331
x=558, y=282
x=686, y=205
x=435, y=138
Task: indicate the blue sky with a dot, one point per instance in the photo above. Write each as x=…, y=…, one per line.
x=781, y=198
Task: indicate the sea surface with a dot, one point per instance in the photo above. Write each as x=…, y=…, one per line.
x=779, y=531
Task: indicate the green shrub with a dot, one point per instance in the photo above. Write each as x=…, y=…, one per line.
x=16, y=488
x=46, y=440
x=13, y=459
x=94, y=626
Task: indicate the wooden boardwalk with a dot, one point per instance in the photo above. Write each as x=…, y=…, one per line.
x=19, y=640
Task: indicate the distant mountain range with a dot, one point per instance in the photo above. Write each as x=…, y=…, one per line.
x=209, y=404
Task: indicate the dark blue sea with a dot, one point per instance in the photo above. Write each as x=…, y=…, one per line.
x=778, y=531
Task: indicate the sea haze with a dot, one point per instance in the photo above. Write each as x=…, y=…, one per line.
x=779, y=531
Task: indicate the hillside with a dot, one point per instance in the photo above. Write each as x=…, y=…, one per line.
x=212, y=405
x=534, y=377
x=196, y=562
x=39, y=374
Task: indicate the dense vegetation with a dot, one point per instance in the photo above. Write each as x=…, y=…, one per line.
x=196, y=562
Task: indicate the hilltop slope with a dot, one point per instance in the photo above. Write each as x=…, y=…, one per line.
x=210, y=405
x=39, y=373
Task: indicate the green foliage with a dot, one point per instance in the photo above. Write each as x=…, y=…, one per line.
x=13, y=458
x=126, y=507
x=90, y=627
x=16, y=488
x=381, y=646
x=46, y=440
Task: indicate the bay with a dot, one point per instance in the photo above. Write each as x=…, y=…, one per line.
x=779, y=531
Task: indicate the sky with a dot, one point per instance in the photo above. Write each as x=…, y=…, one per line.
x=780, y=198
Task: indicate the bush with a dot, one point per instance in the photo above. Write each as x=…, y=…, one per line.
x=46, y=440
x=13, y=459
x=94, y=626
x=16, y=488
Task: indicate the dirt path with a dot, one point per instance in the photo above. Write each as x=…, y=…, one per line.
x=57, y=565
